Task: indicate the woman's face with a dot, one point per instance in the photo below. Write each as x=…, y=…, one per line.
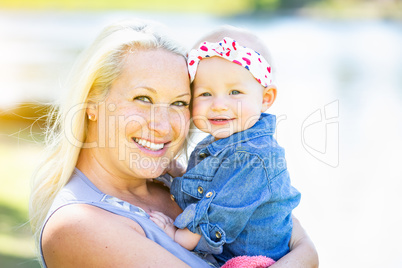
x=145, y=115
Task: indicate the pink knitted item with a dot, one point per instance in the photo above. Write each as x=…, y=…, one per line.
x=249, y=262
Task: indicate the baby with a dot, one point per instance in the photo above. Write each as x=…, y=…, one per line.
x=236, y=193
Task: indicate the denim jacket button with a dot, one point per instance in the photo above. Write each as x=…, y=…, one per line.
x=200, y=189
x=172, y=197
x=218, y=235
x=203, y=155
x=208, y=195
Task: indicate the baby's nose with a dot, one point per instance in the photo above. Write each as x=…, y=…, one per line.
x=219, y=104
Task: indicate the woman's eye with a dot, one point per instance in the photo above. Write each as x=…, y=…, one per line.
x=234, y=92
x=143, y=98
x=180, y=103
x=205, y=94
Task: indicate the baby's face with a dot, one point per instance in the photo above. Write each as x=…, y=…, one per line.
x=226, y=98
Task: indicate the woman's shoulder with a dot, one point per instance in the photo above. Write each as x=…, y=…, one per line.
x=82, y=235
x=80, y=230
x=82, y=216
x=82, y=221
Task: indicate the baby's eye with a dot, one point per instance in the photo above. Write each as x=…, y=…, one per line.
x=143, y=99
x=234, y=92
x=180, y=103
x=206, y=94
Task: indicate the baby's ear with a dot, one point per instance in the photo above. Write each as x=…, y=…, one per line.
x=268, y=97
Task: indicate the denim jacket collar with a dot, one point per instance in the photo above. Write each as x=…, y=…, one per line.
x=263, y=127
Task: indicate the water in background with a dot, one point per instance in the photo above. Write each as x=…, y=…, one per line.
x=339, y=111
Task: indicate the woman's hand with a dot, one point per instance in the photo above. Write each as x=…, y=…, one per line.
x=302, y=251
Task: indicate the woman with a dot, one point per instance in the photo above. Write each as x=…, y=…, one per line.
x=124, y=121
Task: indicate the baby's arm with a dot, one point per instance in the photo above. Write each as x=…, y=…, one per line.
x=184, y=237
x=187, y=239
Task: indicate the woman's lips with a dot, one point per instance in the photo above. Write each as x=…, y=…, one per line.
x=149, y=145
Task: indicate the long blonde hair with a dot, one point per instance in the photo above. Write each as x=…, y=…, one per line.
x=89, y=82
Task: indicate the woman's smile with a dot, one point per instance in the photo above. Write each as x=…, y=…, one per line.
x=151, y=148
x=149, y=145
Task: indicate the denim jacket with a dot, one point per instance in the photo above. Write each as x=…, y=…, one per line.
x=237, y=195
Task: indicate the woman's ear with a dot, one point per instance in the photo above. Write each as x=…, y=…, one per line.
x=92, y=111
x=268, y=97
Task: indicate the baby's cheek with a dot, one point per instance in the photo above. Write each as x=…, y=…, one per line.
x=199, y=113
x=201, y=123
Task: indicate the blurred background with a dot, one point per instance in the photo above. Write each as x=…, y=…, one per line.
x=339, y=106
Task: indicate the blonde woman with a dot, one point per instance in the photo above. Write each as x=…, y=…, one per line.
x=125, y=118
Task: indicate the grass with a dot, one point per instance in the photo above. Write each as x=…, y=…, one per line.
x=17, y=162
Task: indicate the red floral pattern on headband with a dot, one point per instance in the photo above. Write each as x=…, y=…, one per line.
x=229, y=49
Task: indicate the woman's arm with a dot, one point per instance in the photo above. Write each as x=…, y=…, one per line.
x=302, y=251
x=87, y=236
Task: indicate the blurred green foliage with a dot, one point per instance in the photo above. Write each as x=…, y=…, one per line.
x=20, y=145
x=17, y=162
x=388, y=8
x=260, y=5
x=211, y=6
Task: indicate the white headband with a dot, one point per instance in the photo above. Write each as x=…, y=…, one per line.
x=229, y=49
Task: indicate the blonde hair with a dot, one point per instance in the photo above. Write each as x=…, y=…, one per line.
x=90, y=82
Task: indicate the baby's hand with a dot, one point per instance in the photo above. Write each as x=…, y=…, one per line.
x=164, y=222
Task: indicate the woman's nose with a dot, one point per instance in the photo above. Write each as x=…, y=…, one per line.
x=219, y=103
x=159, y=120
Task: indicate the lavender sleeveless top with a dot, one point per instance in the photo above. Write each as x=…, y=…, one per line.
x=80, y=190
